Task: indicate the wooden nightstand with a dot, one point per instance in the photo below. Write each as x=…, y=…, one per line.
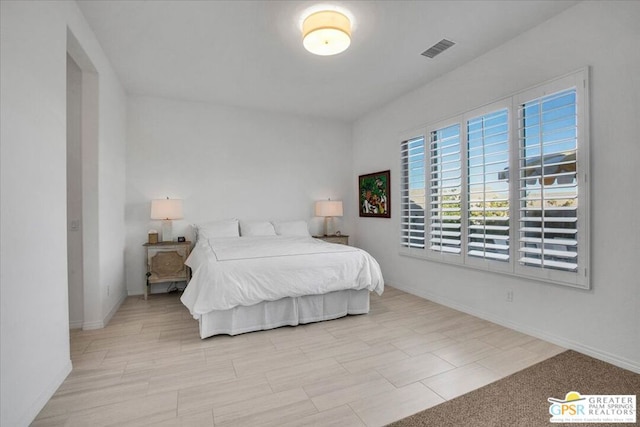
x=342, y=239
x=165, y=263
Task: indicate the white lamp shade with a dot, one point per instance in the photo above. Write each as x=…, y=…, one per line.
x=326, y=33
x=329, y=208
x=166, y=209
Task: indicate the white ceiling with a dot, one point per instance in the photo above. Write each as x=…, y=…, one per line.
x=250, y=54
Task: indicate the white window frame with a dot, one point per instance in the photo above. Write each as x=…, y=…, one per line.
x=579, y=279
x=484, y=263
x=443, y=256
x=579, y=81
x=408, y=249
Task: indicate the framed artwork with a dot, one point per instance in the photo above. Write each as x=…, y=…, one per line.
x=375, y=194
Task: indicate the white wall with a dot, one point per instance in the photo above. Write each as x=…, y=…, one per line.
x=34, y=327
x=605, y=321
x=229, y=162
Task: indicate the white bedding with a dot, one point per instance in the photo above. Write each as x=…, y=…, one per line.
x=243, y=271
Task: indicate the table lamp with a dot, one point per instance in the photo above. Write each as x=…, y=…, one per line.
x=166, y=210
x=329, y=209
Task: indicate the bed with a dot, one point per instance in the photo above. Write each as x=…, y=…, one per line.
x=264, y=280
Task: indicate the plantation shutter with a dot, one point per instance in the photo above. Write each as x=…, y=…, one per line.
x=487, y=190
x=548, y=188
x=412, y=193
x=445, y=190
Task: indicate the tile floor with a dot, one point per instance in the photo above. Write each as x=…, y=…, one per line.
x=149, y=367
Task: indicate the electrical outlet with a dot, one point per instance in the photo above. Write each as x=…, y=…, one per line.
x=509, y=296
x=108, y=290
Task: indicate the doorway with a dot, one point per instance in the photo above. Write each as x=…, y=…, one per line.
x=74, y=194
x=83, y=254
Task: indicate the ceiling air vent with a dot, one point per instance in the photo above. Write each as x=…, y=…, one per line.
x=438, y=48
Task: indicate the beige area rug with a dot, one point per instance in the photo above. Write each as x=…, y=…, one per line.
x=521, y=398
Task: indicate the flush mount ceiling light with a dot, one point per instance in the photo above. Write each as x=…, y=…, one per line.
x=326, y=33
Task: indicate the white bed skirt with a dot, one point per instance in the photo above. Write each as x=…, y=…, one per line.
x=284, y=312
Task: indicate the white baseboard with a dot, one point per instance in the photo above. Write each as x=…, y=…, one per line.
x=526, y=329
x=46, y=394
x=99, y=324
x=96, y=324
x=115, y=308
x=75, y=324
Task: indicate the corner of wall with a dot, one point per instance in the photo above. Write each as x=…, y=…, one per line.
x=35, y=408
x=116, y=307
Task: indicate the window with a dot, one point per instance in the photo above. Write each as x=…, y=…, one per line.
x=412, y=193
x=445, y=195
x=503, y=187
x=488, y=201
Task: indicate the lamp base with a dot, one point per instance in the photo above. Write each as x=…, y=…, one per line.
x=328, y=226
x=167, y=232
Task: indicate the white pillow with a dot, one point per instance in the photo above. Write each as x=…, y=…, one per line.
x=257, y=228
x=214, y=229
x=291, y=228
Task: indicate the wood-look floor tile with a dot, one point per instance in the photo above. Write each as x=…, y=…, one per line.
x=394, y=319
x=237, y=347
x=347, y=389
x=470, y=330
x=198, y=419
x=160, y=417
x=89, y=379
x=429, y=347
x=178, y=380
x=86, y=399
x=115, y=343
x=274, y=417
x=459, y=381
x=414, y=369
x=194, y=342
x=510, y=361
x=318, y=337
x=373, y=362
x=334, y=384
x=381, y=336
x=173, y=361
x=79, y=344
x=53, y=421
x=149, y=367
x=241, y=411
x=395, y=404
x=135, y=352
x=369, y=351
x=416, y=339
x=335, y=349
x=127, y=411
x=222, y=393
x=178, y=334
x=463, y=353
x=261, y=363
x=359, y=331
x=441, y=323
x=88, y=360
x=112, y=330
x=506, y=338
x=303, y=374
x=342, y=416
x=542, y=348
